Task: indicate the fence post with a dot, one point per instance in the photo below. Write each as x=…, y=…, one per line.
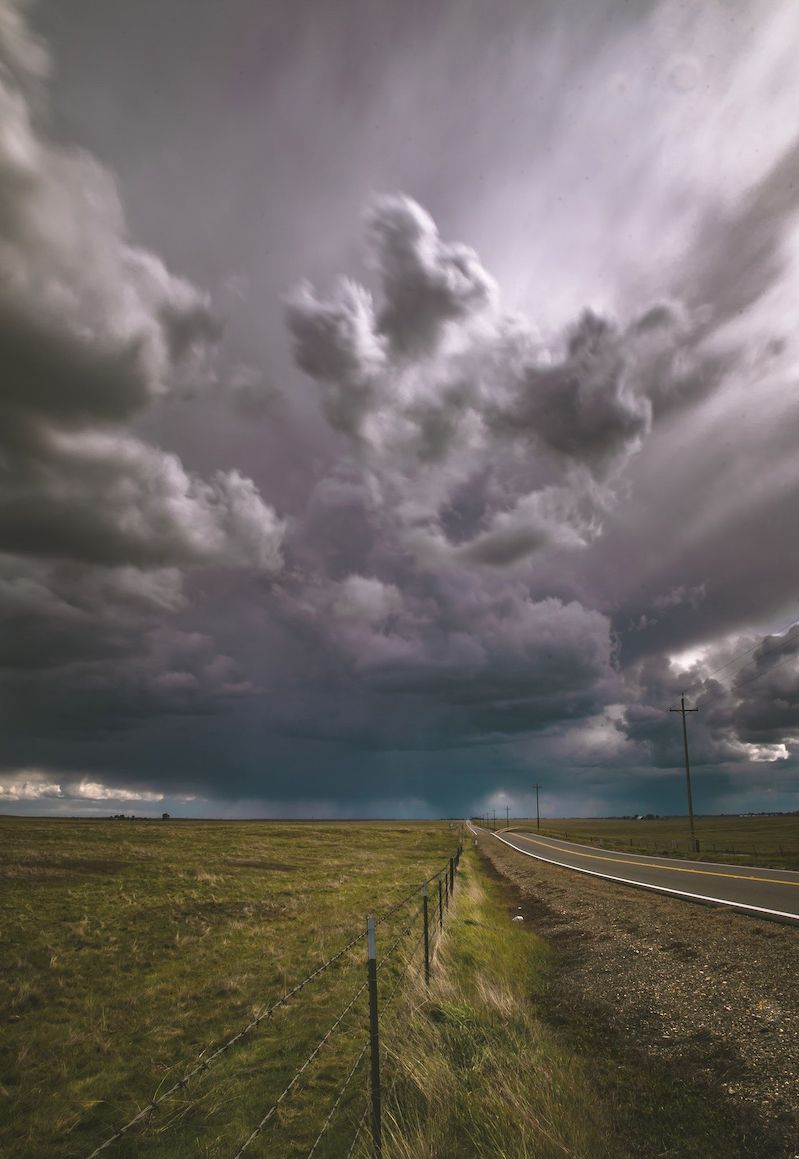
x=426, y=935
x=452, y=874
x=440, y=904
x=377, y=1135
x=446, y=889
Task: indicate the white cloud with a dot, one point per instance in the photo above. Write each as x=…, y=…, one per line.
x=39, y=785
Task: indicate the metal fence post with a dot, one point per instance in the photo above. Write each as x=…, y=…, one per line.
x=426, y=935
x=377, y=1135
x=440, y=904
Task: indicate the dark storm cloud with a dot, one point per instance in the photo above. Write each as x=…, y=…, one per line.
x=466, y=657
x=748, y=698
x=97, y=525
x=511, y=509
x=656, y=688
x=92, y=330
x=767, y=688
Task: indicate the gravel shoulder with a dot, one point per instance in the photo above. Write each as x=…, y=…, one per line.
x=696, y=991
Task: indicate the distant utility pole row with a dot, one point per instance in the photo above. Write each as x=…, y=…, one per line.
x=489, y=820
x=491, y=823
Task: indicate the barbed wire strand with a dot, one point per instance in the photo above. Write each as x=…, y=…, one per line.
x=337, y=1104
x=397, y=905
x=402, y=934
x=410, y=896
x=358, y=1130
x=297, y=1074
x=403, y=972
x=204, y=1064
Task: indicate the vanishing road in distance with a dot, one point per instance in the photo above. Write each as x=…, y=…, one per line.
x=769, y=892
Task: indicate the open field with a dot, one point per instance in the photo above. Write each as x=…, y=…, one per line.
x=771, y=842
x=130, y=949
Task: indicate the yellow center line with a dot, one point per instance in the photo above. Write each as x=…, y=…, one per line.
x=656, y=865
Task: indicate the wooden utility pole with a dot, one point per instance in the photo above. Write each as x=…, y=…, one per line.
x=682, y=710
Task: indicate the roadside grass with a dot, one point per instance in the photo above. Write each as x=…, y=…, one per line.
x=472, y=1070
x=769, y=842
x=130, y=949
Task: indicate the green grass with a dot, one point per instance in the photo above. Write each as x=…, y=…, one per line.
x=131, y=948
x=475, y=1073
x=771, y=842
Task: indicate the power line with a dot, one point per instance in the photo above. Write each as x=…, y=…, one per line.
x=766, y=671
x=748, y=651
x=735, y=686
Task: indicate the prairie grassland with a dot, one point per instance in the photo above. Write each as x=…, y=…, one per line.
x=131, y=949
x=477, y=1074
x=771, y=842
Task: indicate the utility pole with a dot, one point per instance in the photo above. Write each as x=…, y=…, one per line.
x=507, y=818
x=682, y=710
x=537, y=810
x=495, y=820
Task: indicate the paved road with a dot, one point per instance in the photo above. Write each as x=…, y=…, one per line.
x=771, y=892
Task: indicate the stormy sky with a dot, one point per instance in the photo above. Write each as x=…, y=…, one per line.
x=398, y=406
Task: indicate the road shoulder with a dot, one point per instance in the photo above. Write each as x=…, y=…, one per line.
x=691, y=1011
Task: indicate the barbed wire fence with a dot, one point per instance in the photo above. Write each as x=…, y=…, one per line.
x=411, y=947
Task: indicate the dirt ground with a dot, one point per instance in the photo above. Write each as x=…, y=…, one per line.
x=696, y=990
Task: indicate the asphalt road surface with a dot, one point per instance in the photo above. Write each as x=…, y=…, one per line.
x=769, y=892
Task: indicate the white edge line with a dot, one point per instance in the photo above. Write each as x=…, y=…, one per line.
x=657, y=888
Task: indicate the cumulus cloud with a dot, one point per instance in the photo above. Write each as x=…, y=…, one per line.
x=337, y=343
x=93, y=329
x=426, y=283
x=98, y=526
x=445, y=394
x=482, y=449
x=39, y=785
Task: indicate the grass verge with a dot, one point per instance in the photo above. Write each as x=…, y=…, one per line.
x=472, y=1070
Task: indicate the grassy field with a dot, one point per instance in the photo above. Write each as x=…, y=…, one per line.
x=130, y=949
x=772, y=842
